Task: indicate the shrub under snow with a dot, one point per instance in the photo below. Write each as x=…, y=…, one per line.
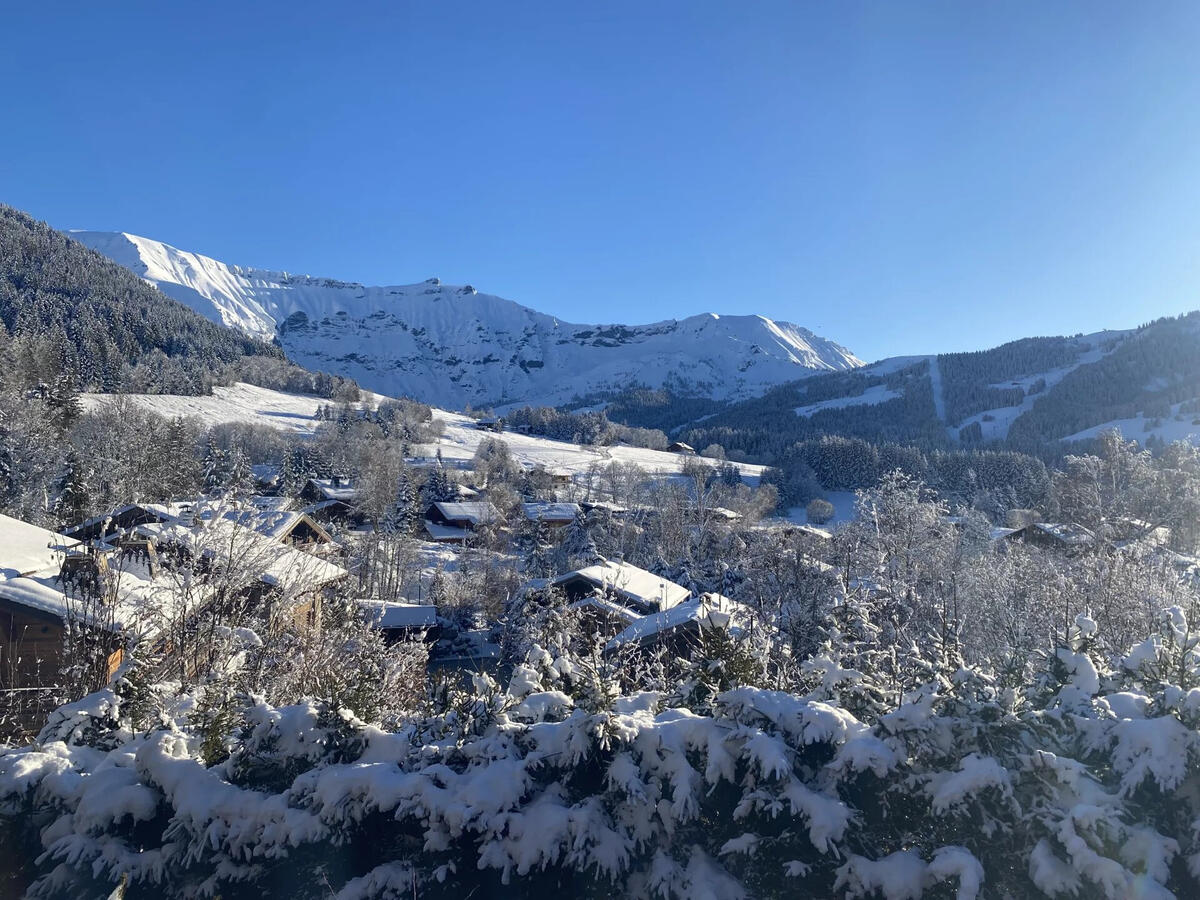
x=1077, y=781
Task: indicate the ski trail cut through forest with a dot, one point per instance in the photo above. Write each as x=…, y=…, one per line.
x=939, y=398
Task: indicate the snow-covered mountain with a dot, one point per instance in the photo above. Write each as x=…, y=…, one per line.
x=451, y=345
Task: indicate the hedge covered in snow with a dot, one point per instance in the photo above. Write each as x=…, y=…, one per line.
x=1068, y=779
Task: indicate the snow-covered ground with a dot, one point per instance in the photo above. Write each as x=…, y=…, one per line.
x=452, y=345
x=240, y=403
x=296, y=413
x=843, y=510
x=878, y=393
x=1134, y=429
x=462, y=438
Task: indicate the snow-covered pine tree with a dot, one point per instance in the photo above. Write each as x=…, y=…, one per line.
x=577, y=547
x=180, y=474
x=73, y=503
x=216, y=468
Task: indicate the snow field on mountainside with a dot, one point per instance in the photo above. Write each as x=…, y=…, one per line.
x=452, y=345
x=297, y=413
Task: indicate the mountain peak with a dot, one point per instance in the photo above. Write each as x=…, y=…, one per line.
x=453, y=345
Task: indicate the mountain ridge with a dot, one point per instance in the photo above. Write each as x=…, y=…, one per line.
x=87, y=321
x=453, y=345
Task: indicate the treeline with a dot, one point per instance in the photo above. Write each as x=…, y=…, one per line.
x=284, y=375
x=968, y=378
x=647, y=407
x=94, y=321
x=592, y=427
x=991, y=480
x=762, y=430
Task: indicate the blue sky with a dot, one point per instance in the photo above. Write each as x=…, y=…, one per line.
x=901, y=177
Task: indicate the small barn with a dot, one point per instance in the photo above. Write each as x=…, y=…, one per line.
x=681, y=447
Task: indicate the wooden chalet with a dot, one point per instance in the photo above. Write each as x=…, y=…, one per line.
x=489, y=423
x=45, y=580
x=455, y=523
x=467, y=515
x=294, y=527
x=316, y=490
x=272, y=570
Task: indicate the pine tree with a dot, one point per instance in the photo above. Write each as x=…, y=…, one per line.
x=63, y=400
x=178, y=461
x=539, y=550
x=438, y=488
x=577, y=547
x=405, y=512
x=241, y=478
x=216, y=471
x=74, y=494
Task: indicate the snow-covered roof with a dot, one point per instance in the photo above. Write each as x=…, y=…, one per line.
x=335, y=489
x=614, y=508
x=163, y=512
x=629, y=581
x=261, y=501
x=444, y=533
x=823, y=534
x=273, y=562
x=275, y=523
x=550, y=512
x=265, y=472
x=141, y=600
x=389, y=614
x=477, y=513
x=713, y=610
x=26, y=548
x=1066, y=533
x=607, y=606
